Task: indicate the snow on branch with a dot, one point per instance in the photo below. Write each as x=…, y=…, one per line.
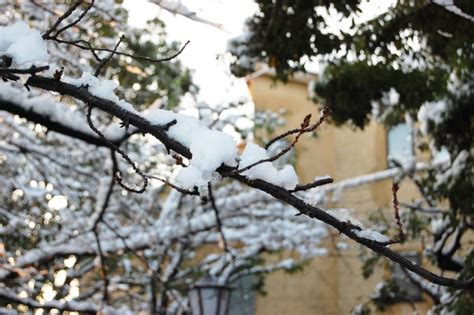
x=451, y=7
x=144, y=125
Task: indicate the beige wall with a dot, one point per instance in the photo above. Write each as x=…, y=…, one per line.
x=332, y=284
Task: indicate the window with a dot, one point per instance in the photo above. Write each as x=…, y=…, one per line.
x=400, y=144
x=242, y=298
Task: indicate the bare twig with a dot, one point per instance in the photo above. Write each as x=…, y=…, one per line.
x=104, y=61
x=401, y=235
x=305, y=128
x=316, y=183
x=103, y=268
x=73, y=23
x=72, y=8
x=181, y=190
x=114, y=147
x=85, y=45
x=11, y=73
x=218, y=220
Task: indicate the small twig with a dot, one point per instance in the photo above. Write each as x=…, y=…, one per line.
x=218, y=221
x=396, y=209
x=87, y=46
x=76, y=20
x=104, y=61
x=105, y=296
x=325, y=113
x=30, y=70
x=11, y=73
x=305, y=127
x=53, y=28
x=181, y=190
x=109, y=190
x=114, y=147
x=316, y=183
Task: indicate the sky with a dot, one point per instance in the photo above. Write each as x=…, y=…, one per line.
x=205, y=53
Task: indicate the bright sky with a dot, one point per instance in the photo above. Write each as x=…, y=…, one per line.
x=207, y=42
x=211, y=73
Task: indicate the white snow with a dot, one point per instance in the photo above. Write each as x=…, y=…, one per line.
x=190, y=177
x=286, y=177
x=371, y=235
x=431, y=111
x=182, y=131
x=47, y=106
x=101, y=88
x=391, y=97
x=449, y=176
x=24, y=45
x=209, y=148
x=451, y=7
x=344, y=216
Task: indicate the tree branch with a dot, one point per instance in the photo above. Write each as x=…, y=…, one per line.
x=278, y=192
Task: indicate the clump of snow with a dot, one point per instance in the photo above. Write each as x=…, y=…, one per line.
x=438, y=225
x=182, y=131
x=101, y=88
x=285, y=177
x=451, y=6
x=433, y=111
x=287, y=263
x=209, y=148
x=391, y=98
x=24, y=45
x=344, y=216
x=449, y=176
x=342, y=245
x=371, y=235
x=381, y=109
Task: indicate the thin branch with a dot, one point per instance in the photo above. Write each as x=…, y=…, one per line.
x=316, y=183
x=57, y=126
x=105, y=295
x=114, y=147
x=401, y=235
x=110, y=190
x=69, y=11
x=104, y=61
x=181, y=190
x=84, y=45
x=32, y=70
x=305, y=128
x=73, y=23
x=218, y=220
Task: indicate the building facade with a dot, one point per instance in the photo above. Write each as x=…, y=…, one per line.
x=333, y=284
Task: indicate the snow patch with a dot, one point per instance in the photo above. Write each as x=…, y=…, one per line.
x=101, y=88
x=371, y=235
x=285, y=177
x=24, y=45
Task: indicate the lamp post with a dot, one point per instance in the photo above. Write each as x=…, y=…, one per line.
x=209, y=298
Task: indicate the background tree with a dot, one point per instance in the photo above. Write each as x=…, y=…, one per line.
x=412, y=63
